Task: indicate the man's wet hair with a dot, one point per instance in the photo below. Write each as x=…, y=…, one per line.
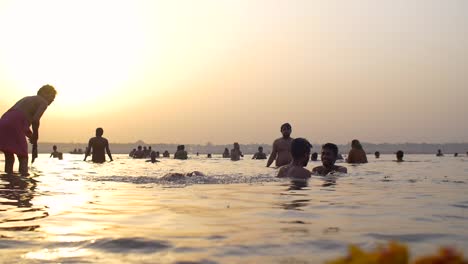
x=286, y=126
x=299, y=147
x=331, y=147
x=400, y=154
x=46, y=89
x=99, y=131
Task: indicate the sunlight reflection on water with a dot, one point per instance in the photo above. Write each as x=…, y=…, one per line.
x=124, y=211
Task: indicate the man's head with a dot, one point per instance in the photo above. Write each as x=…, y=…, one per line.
x=139, y=147
x=355, y=144
x=260, y=149
x=377, y=154
x=286, y=130
x=329, y=154
x=47, y=92
x=399, y=155
x=314, y=156
x=236, y=145
x=54, y=148
x=300, y=150
x=99, y=132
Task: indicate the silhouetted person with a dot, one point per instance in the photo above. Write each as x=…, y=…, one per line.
x=99, y=146
x=166, y=154
x=300, y=151
x=153, y=157
x=329, y=156
x=139, y=154
x=314, y=156
x=455, y=155
x=14, y=128
x=260, y=154
x=150, y=150
x=157, y=154
x=209, y=155
x=399, y=156
x=439, y=153
x=377, y=154
x=145, y=152
x=198, y=154
x=236, y=153
x=55, y=153
x=281, y=151
x=181, y=153
x=226, y=153
x=132, y=153
x=357, y=153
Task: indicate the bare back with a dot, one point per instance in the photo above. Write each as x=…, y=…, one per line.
x=32, y=106
x=99, y=146
x=291, y=171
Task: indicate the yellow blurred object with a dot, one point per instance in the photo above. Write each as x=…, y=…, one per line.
x=396, y=253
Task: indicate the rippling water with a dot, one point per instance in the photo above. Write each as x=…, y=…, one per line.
x=121, y=212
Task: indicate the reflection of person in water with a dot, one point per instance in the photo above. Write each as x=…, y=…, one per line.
x=18, y=191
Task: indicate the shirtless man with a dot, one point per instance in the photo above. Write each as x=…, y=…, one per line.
x=56, y=154
x=99, y=144
x=260, y=154
x=282, y=147
x=300, y=151
x=14, y=127
x=236, y=153
x=329, y=156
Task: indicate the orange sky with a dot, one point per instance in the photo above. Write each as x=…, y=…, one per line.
x=225, y=71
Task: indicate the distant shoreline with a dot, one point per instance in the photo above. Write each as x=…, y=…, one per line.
x=384, y=148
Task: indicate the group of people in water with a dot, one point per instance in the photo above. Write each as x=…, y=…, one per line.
x=290, y=155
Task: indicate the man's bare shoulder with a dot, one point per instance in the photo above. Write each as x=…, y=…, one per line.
x=341, y=169
x=283, y=171
x=301, y=173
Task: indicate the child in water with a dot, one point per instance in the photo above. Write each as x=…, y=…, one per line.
x=14, y=127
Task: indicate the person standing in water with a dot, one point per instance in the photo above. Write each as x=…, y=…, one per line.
x=281, y=151
x=56, y=154
x=14, y=127
x=226, y=153
x=236, y=153
x=356, y=154
x=100, y=146
x=260, y=154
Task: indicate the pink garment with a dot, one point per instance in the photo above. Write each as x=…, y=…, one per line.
x=13, y=129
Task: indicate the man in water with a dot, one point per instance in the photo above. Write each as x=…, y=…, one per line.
x=439, y=153
x=260, y=154
x=314, y=156
x=329, y=156
x=139, y=154
x=99, y=145
x=399, y=156
x=282, y=148
x=300, y=151
x=377, y=154
x=181, y=153
x=56, y=154
x=236, y=153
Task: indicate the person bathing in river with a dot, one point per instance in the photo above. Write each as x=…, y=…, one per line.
x=281, y=151
x=14, y=127
x=329, y=156
x=300, y=150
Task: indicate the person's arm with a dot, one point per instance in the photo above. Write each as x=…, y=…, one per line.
x=35, y=122
x=254, y=156
x=108, y=151
x=273, y=154
x=88, y=149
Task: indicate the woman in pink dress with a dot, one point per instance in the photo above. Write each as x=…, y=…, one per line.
x=15, y=123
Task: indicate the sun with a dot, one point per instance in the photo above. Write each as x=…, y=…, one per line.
x=87, y=50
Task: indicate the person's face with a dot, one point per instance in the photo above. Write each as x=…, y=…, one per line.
x=328, y=157
x=306, y=159
x=260, y=150
x=49, y=97
x=286, y=131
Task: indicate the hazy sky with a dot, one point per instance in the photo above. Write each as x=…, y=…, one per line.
x=225, y=71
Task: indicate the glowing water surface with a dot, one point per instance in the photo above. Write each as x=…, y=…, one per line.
x=122, y=212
